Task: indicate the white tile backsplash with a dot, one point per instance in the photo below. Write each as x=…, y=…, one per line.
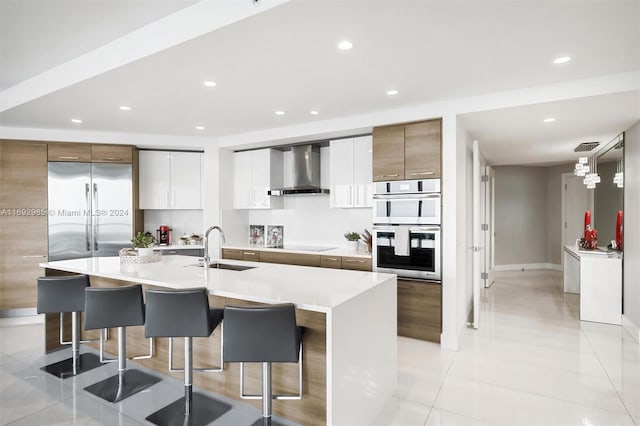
x=181, y=221
x=307, y=220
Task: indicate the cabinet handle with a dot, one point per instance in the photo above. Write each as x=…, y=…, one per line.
x=421, y=173
x=382, y=176
x=248, y=253
x=355, y=261
x=332, y=259
x=68, y=157
x=112, y=159
x=34, y=256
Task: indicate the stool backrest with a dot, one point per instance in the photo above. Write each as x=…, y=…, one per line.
x=261, y=333
x=61, y=294
x=178, y=313
x=113, y=307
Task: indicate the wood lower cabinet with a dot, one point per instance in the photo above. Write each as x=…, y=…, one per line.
x=356, y=263
x=420, y=310
x=290, y=258
x=302, y=259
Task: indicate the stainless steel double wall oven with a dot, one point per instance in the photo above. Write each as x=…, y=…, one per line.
x=406, y=230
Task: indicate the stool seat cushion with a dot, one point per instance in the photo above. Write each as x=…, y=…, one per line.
x=180, y=313
x=261, y=333
x=61, y=294
x=113, y=307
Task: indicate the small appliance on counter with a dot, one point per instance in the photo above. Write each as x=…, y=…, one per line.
x=163, y=235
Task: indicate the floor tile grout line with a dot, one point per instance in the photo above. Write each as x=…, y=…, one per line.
x=595, y=351
x=444, y=378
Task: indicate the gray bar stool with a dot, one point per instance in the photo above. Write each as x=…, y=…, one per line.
x=263, y=334
x=60, y=295
x=184, y=313
x=118, y=307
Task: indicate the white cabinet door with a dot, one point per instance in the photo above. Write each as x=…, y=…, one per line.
x=186, y=180
x=341, y=173
x=155, y=179
x=362, y=171
x=350, y=172
x=242, y=180
x=260, y=168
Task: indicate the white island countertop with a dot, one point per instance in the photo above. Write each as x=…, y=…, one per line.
x=313, y=289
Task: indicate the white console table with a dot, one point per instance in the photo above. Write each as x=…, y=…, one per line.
x=597, y=277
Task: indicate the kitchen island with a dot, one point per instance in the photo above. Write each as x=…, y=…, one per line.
x=350, y=345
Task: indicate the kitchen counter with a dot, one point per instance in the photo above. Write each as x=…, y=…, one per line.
x=350, y=345
x=330, y=251
x=180, y=247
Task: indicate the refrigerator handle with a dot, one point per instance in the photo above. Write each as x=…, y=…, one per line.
x=95, y=220
x=87, y=214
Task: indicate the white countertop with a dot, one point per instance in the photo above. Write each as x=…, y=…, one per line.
x=180, y=247
x=313, y=289
x=577, y=252
x=337, y=251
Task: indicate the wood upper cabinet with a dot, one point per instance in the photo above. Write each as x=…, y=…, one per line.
x=60, y=151
x=420, y=310
x=388, y=153
x=23, y=174
x=112, y=154
x=407, y=151
x=422, y=150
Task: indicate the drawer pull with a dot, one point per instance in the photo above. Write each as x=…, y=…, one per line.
x=35, y=256
x=248, y=253
x=383, y=176
x=112, y=159
x=355, y=261
x=422, y=173
x=68, y=157
x=332, y=259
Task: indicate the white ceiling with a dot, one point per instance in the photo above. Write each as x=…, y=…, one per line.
x=286, y=58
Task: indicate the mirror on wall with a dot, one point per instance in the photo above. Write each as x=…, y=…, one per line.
x=609, y=192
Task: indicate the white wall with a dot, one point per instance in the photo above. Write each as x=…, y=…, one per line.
x=181, y=222
x=631, y=295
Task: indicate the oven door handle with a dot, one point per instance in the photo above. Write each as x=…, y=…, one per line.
x=424, y=229
x=383, y=228
x=407, y=197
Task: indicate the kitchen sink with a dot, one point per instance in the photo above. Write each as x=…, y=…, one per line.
x=229, y=266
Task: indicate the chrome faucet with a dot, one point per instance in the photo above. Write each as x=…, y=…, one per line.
x=206, y=243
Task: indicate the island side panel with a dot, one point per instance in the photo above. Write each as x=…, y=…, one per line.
x=363, y=348
x=310, y=410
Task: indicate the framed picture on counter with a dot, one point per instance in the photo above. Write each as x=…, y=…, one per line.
x=275, y=236
x=256, y=234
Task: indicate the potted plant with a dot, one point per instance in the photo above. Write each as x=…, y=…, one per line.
x=352, y=240
x=143, y=243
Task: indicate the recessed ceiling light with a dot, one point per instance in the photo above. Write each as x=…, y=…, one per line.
x=549, y=120
x=345, y=45
x=76, y=120
x=562, y=60
x=200, y=127
x=392, y=92
x=313, y=112
x=279, y=112
x=210, y=83
x=125, y=108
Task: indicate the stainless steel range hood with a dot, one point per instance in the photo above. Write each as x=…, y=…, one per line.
x=304, y=172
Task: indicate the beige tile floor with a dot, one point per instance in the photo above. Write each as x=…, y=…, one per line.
x=531, y=362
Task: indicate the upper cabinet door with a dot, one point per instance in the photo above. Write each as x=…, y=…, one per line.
x=155, y=179
x=388, y=153
x=341, y=173
x=260, y=182
x=422, y=149
x=242, y=180
x=23, y=174
x=362, y=171
x=186, y=177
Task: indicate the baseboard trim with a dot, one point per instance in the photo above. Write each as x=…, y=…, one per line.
x=631, y=328
x=528, y=267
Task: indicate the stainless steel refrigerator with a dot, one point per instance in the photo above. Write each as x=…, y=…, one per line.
x=90, y=209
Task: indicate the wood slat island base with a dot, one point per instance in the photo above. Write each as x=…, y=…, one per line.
x=349, y=352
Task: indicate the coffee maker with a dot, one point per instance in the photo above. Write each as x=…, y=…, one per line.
x=163, y=235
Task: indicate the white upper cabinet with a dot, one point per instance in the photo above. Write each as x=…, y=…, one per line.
x=254, y=174
x=170, y=180
x=350, y=172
